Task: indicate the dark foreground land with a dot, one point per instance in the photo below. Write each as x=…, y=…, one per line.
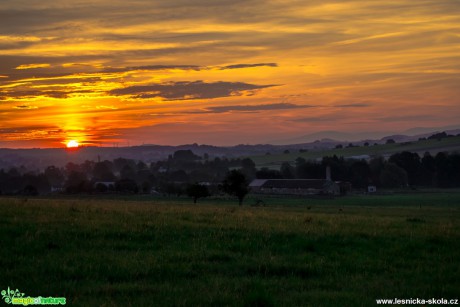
x=342, y=252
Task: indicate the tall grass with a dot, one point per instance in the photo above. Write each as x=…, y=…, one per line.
x=294, y=252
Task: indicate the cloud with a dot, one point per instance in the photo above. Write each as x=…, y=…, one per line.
x=236, y=66
x=151, y=67
x=252, y=108
x=25, y=107
x=32, y=93
x=353, y=105
x=21, y=94
x=32, y=66
x=186, y=90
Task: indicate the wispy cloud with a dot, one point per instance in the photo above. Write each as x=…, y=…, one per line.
x=342, y=65
x=246, y=108
x=32, y=66
x=238, y=66
x=189, y=90
x=353, y=105
x=25, y=107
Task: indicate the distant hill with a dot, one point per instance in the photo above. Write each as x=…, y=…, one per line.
x=339, y=136
x=322, y=144
x=360, y=151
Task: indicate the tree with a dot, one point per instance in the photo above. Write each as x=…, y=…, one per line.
x=235, y=184
x=75, y=182
x=126, y=186
x=54, y=175
x=393, y=176
x=248, y=168
x=265, y=173
x=103, y=171
x=390, y=141
x=197, y=190
x=359, y=173
x=185, y=155
x=410, y=162
x=127, y=172
x=438, y=136
x=287, y=171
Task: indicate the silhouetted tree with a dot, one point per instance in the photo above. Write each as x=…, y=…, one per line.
x=390, y=141
x=438, y=136
x=103, y=171
x=126, y=186
x=54, y=175
x=75, y=182
x=248, y=167
x=393, y=176
x=376, y=166
x=428, y=170
x=359, y=174
x=128, y=172
x=236, y=184
x=266, y=173
x=185, y=155
x=410, y=162
x=287, y=171
x=30, y=190
x=197, y=191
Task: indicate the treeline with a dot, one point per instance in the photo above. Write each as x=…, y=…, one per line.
x=183, y=173
x=169, y=177
x=405, y=169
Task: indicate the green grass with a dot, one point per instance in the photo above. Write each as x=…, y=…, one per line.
x=274, y=161
x=294, y=252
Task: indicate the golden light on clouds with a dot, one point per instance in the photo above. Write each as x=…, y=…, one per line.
x=32, y=66
x=224, y=72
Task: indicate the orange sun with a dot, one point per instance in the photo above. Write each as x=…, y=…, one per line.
x=72, y=144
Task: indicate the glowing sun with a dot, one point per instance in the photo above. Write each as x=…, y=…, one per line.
x=72, y=144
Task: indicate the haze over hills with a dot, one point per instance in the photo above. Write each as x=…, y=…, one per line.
x=37, y=158
x=339, y=136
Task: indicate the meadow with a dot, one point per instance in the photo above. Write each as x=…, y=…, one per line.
x=346, y=251
x=274, y=161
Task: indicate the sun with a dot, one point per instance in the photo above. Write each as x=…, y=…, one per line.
x=72, y=144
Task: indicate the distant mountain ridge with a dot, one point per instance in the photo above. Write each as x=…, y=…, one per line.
x=340, y=137
x=41, y=158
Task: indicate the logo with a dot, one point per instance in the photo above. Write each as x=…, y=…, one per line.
x=16, y=297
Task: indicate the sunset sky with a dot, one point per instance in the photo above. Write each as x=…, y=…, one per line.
x=223, y=72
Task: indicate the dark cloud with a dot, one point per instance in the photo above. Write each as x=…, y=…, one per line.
x=189, y=90
x=25, y=107
x=29, y=129
x=23, y=94
x=353, y=105
x=249, y=108
x=236, y=66
x=151, y=67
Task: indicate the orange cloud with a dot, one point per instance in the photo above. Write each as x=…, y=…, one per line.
x=108, y=68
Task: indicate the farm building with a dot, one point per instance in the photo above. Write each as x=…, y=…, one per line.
x=295, y=186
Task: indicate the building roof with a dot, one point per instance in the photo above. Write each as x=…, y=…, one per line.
x=291, y=183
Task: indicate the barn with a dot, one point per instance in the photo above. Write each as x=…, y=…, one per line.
x=295, y=187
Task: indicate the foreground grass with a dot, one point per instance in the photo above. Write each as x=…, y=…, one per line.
x=345, y=252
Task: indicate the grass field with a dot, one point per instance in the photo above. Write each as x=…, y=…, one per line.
x=274, y=161
x=293, y=252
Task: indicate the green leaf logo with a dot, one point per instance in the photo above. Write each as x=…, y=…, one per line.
x=9, y=294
